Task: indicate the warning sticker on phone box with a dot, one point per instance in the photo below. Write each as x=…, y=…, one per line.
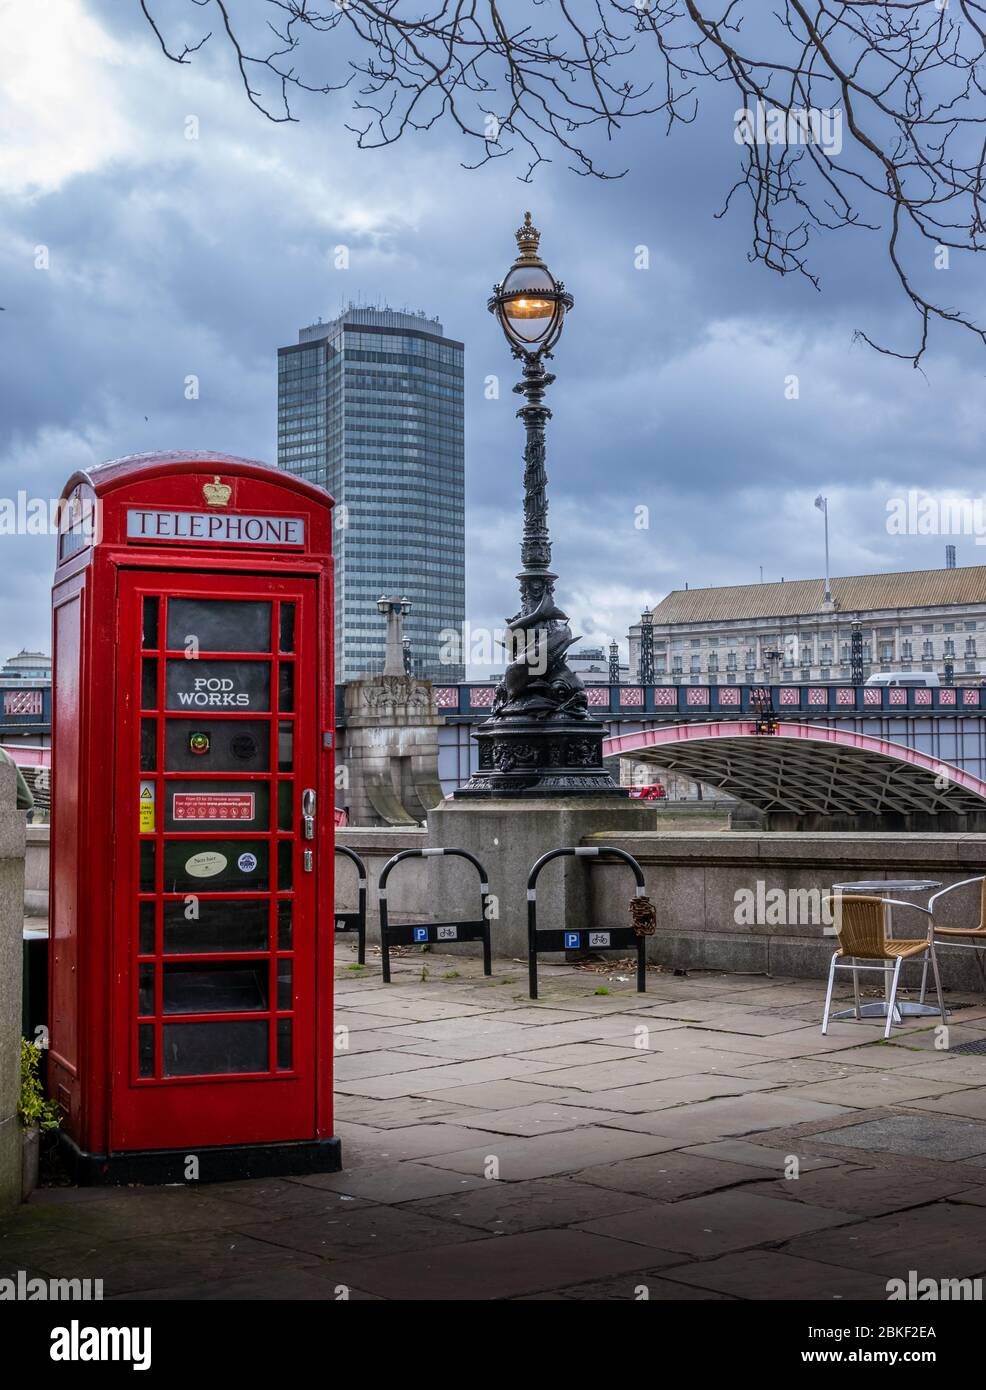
x=229, y=806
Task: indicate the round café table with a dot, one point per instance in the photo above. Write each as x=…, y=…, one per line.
x=880, y=888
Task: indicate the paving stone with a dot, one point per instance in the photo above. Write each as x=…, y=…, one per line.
x=540, y=1016
x=365, y=1040
x=641, y=1285
x=971, y=1196
x=742, y=1151
x=873, y=1090
x=687, y=1011
x=796, y=1042
x=765, y=1274
x=398, y=1112
x=541, y=1204
x=153, y=1212
x=282, y=1283
x=358, y=1022
x=357, y=1231
x=754, y=1024
x=439, y=1078
x=653, y=1066
x=398, y=1182
x=545, y=1118
x=716, y=1119
x=579, y=1054
x=547, y=1154
x=885, y=1056
x=968, y=1102
x=795, y=1071
x=469, y=1049
x=355, y=1067
x=469, y=1028
x=671, y=1091
x=779, y=996
x=280, y=1197
x=947, y=1068
x=863, y=1191
x=405, y=1006
x=129, y=1266
x=505, y=1267
x=923, y=1136
x=938, y=1241
x=376, y=1146
x=668, y=1177
x=504, y=1095
x=926, y=1039
x=713, y=1224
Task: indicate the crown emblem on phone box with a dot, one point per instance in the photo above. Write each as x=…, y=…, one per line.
x=217, y=493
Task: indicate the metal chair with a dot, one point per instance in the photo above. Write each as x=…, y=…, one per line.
x=965, y=938
x=863, y=927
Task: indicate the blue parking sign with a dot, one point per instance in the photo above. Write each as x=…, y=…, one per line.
x=421, y=933
x=572, y=939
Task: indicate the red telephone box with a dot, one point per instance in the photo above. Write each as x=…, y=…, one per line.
x=190, y=1010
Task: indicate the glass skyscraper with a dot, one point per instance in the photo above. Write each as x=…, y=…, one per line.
x=370, y=405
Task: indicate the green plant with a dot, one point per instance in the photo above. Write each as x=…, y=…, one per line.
x=451, y=975
x=601, y=990
x=33, y=1107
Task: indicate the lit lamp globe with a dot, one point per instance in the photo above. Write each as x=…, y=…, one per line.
x=530, y=304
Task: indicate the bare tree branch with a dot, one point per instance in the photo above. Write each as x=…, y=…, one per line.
x=863, y=115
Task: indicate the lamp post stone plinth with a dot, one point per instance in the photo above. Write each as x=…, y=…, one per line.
x=540, y=739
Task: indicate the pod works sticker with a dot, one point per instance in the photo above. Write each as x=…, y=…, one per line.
x=206, y=864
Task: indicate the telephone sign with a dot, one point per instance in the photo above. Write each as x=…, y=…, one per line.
x=192, y=924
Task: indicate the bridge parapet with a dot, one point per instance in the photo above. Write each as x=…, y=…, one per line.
x=473, y=701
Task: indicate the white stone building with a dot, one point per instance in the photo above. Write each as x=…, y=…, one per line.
x=911, y=621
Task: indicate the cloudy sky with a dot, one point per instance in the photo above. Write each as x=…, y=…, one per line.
x=169, y=257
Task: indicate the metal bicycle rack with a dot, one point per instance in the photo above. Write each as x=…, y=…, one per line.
x=355, y=921
x=559, y=939
x=426, y=933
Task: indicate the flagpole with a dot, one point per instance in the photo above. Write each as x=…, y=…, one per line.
x=822, y=503
x=828, y=589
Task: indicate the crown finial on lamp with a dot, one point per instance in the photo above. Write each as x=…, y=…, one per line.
x=528, y=238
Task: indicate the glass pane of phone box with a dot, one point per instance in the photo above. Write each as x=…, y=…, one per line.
x=215, y=987
x=219, y=625
x=208, y=805
x=236, y=926
x=222, y=1047
x=215, y=866
x=216, y=745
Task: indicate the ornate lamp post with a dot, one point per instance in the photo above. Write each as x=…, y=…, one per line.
x=395, y=610
x=646, y=676
x=614, y=663
x=539, y=739
x=856, y=652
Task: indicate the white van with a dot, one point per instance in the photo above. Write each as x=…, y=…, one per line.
x=927, y=679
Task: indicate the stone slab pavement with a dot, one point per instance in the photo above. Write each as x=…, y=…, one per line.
x=700, y=1141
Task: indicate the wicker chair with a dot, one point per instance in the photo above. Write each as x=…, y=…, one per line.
x=966, y=938
x=863, y=927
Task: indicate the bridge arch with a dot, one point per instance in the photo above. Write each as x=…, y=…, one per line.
x=807, y=769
